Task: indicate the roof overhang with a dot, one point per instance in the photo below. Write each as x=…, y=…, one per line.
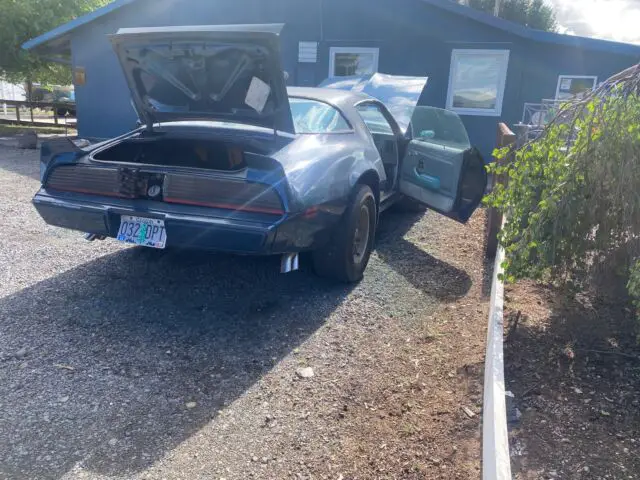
x=55, y=45
x=56, y=50
x=60, y=48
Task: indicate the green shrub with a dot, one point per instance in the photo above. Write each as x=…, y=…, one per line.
x=573, y=195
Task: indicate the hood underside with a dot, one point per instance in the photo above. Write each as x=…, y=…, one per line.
x=399, y=93
x=227, y=72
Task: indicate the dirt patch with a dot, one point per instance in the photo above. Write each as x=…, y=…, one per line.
x=574, y=367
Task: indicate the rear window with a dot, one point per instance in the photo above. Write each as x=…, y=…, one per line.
x=312, y=116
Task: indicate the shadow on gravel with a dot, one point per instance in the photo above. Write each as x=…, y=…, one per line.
x=109, y=356
x=425, y=272
x=574, y=367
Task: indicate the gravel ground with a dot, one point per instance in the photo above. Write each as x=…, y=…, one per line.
x=128, y=363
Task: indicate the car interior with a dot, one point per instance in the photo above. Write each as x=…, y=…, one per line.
x=384, y=138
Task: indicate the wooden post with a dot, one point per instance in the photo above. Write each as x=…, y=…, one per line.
x=494, y=218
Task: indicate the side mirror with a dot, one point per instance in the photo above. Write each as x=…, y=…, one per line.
x=427, y=135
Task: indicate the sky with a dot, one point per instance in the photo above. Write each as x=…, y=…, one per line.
x=617, y=20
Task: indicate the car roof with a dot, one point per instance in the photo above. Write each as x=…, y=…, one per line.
x=342, y=99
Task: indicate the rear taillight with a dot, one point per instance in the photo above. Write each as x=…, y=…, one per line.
x=227, y=194
x=75, y=178
x=61, y=149
x=230, y=194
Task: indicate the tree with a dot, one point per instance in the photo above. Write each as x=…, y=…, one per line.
x=22, y=20
x=571, y=200
x=531, y=13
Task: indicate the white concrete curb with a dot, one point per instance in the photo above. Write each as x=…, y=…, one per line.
x=496, y=464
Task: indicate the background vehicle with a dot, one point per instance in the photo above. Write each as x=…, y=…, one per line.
x=229, y=159
x=66, y=98
x=56, y=94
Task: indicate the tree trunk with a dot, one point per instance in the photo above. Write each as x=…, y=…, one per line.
x=30, y=96
x=29, y=90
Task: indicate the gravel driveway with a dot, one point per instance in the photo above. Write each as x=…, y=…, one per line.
x=120, y=362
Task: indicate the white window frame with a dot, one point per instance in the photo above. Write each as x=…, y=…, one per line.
x=502, y=81
x=334, y=50
x=577, y=77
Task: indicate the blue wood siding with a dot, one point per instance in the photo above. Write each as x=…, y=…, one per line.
x=413, y=38
x=543, y=68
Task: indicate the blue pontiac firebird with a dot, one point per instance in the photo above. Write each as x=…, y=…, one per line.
x=228, y=158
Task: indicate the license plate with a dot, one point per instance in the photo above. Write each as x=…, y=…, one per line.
x=148, y=232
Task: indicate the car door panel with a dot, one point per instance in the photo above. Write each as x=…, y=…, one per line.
x=426, y=177
x=440, y=169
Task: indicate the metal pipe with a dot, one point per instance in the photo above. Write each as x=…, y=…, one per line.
x=90, y=237
x=289, y=262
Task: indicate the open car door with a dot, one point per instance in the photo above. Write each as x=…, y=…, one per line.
x=440, y=168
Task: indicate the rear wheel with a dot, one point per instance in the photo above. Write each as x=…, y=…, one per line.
x=346, y=256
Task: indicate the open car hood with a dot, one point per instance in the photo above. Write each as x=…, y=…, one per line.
x=227, y=73
x=400, y=94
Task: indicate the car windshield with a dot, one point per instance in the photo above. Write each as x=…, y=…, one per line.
x=313, y=116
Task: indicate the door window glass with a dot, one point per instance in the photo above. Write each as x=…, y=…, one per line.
x=440, y=127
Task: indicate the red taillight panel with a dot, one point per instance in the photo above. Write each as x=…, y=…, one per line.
x=219, y=193
x=75, y=178
x=231, y=194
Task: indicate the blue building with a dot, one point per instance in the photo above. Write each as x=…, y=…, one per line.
x=480, y=66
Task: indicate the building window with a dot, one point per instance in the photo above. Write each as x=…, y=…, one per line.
x=571, y=86
x=476, y=81
x=346, y=61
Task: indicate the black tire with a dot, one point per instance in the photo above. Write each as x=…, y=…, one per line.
x=408, y=205
x=347, y=254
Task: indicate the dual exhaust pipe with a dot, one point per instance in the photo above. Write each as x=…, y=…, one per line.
x=90, y=237
x=290, y=262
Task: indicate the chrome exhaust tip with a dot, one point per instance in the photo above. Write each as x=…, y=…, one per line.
x=289, y=262
x=90, y=237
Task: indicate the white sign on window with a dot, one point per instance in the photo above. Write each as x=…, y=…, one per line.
x=565, y=84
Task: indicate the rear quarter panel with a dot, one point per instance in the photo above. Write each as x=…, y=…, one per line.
x=322, y=169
